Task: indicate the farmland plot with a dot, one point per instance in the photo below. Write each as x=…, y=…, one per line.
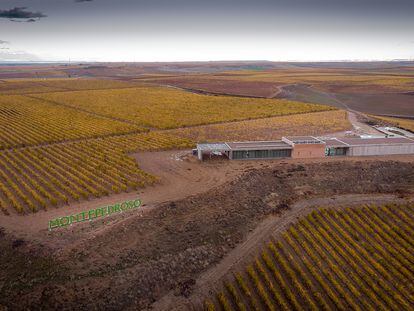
x=316, y=123
x=26, y=121
x=357, y=258
x=165, y=108
x=33, y=86
x=40, y=177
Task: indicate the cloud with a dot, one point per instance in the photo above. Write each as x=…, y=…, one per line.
x=4, y=42
x=79, y=1
x=4, y=48
x=19, y=14
x=17, y=56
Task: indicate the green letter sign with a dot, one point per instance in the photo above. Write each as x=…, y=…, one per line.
x=94, y=213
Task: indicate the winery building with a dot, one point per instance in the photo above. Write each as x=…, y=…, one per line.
x=306, y=147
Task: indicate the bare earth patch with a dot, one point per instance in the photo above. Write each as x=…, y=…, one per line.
x=134, y=261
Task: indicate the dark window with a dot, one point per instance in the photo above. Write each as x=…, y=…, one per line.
x=261, y=154
x=335, y=151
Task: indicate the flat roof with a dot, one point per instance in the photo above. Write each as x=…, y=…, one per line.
x=303, y=140
x=213, y=146
x=333, y=142
x=280, y=144
x=376, y=141
x=258, y=145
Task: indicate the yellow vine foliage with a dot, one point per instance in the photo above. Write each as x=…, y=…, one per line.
x=33, y=86
x=358, y=258
x=39, y=177
x=316, y=123
x=26, y=121
x=164, y=108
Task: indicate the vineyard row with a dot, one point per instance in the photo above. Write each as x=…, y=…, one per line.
x=40, y=177
x=353, y=259
x=26, y=121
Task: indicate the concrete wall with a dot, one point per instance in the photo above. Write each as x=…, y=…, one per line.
x=308, y=151
x=381, y=150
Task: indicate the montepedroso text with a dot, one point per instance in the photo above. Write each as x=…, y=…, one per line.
x=94, y=213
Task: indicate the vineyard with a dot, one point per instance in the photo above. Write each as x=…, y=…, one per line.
x=351, y=259
x=325, y=77
x=25, y=121
x=313, y=123
x=226, y=81
x=40, y=177
x=71, y=144
x=165, y=108
x=33, y=86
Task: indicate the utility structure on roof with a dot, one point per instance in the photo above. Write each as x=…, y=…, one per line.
x=306, y=147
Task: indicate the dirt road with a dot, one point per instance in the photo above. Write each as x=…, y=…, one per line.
x=360, y=127
x=167, y=246
x=180, y=175
x=270, y=228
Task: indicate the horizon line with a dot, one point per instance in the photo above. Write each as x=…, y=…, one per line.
x=211, y=61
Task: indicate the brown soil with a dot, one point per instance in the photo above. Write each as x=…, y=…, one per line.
x=270, y=228
x=392, y=104
x=180, y=175
x=223, y=86
x=129, y=261
x=380, y=102
x=359, y=88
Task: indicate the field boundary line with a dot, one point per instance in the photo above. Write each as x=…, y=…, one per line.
x=245, y=120
x=63, y=90
x=86, y=111
x=68, y=141
x=329, y=108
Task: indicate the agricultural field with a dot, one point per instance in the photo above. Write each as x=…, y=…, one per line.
x=385, y=91
x=218, y=85
x=315, y=123
x=164, y=108
x=164, y=248
x=265, y=83
x=27, y=121
x=38, y=178
x=34, y=86
x=332, y=233
x=333, y=77
x=358, y=258
x=58, y=148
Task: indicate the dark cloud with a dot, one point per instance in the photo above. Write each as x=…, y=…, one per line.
x=4, y=42
x=21, y=14
x=83, y=1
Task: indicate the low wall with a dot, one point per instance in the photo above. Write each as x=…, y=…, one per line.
x=308, y=151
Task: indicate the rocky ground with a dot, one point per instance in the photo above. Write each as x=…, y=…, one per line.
x=133, y=263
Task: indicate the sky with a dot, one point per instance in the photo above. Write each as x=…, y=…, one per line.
x=209, y=30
